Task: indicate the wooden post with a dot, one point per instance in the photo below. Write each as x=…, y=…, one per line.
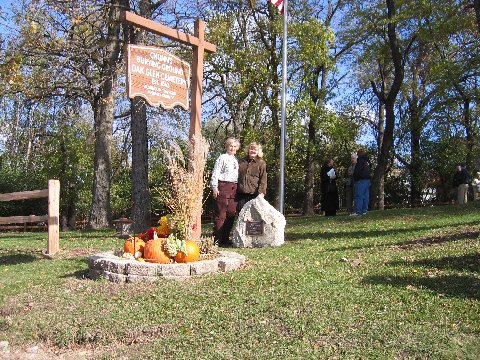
x=199, y=47
x=197, y=78
x=53, y=216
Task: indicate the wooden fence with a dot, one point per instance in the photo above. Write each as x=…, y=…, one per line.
x=52, y=218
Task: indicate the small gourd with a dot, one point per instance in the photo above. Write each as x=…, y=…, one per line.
x=163, y=230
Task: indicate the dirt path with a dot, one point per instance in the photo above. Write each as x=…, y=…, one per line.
x=38, y=353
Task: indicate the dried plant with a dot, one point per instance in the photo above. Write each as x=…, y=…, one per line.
x=208, y=245
x=187, y=181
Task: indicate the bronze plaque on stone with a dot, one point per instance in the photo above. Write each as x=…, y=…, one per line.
x=254, y=227
x=158, y=76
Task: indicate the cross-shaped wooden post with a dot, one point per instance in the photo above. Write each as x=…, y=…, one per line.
x=199, y=47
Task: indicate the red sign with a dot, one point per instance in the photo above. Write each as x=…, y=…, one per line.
x=159, y=77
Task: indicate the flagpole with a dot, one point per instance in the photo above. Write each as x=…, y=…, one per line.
x=281, y=198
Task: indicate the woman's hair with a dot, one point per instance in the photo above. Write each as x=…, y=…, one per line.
x=361, y=151
x=231, y=140
x=327, y=161
x=256, y=145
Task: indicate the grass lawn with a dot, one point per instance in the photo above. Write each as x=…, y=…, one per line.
x=394, y=284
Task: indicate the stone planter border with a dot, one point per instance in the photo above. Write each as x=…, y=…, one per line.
x=115, y=269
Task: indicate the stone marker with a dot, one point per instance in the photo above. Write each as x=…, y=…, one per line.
x=259, y=224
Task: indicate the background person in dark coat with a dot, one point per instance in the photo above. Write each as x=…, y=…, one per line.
x=328, y=186
x=461, y=180
x=362, y=176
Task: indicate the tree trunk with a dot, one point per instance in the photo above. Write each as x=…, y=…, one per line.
x=467, y=123
x=309, y=181
x=416, y=162
x=389, y=101
x=100, y=213
x=377, y=193
x=384, y=156
x=317, y=96
x=141, y=206
x=309, y=169
x=103, y=110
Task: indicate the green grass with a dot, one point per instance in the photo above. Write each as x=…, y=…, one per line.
x=410, y=289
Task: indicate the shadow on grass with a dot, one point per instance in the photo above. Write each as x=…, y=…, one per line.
x=79, y=274
x=15, y=259
x=90, y=234
x=466, y=232
x=469, y=262
x=358, y=234
x=391, y=214
x=459, y=286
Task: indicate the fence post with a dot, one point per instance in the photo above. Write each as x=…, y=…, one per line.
x=53, y=216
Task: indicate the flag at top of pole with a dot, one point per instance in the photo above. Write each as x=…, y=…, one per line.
x=278, y=4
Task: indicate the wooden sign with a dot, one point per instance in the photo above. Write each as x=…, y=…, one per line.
x=158, y=76
x=254, y=228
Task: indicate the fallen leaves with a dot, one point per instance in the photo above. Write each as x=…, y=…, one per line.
x=353, y=262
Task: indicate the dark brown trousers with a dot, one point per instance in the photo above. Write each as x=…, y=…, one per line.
x=224, y=212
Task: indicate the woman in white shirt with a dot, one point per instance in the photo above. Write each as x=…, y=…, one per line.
x=476, y=187
x=224, y=187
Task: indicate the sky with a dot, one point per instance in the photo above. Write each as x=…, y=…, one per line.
x=5, y=6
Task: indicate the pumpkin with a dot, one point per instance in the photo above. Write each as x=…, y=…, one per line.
x=154, y=252
x=193, y=253
x=133, y=245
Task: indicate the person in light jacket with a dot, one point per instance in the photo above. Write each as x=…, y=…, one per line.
x=476, y=187
x=224, y=187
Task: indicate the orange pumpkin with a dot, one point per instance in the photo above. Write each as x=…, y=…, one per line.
x=154, y=252
x=193, y=253
x=133, y=244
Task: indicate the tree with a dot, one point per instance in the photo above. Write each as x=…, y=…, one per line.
x=73, y=49
x=315, y=53
x=103, y=105
x=246, y=74
x=380, y=20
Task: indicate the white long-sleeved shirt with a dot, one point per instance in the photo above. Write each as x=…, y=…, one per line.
x=225, y=169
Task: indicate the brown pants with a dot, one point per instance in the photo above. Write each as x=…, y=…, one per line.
x=224, y=212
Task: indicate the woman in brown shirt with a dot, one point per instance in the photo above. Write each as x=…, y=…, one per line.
x=252, y=175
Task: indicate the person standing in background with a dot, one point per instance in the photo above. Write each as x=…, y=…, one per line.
x=362, y=176
x=328, y=186
x=476, y=187
x=224, y=187
x=252, y=175
x=461, y=180
x=349, y=185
